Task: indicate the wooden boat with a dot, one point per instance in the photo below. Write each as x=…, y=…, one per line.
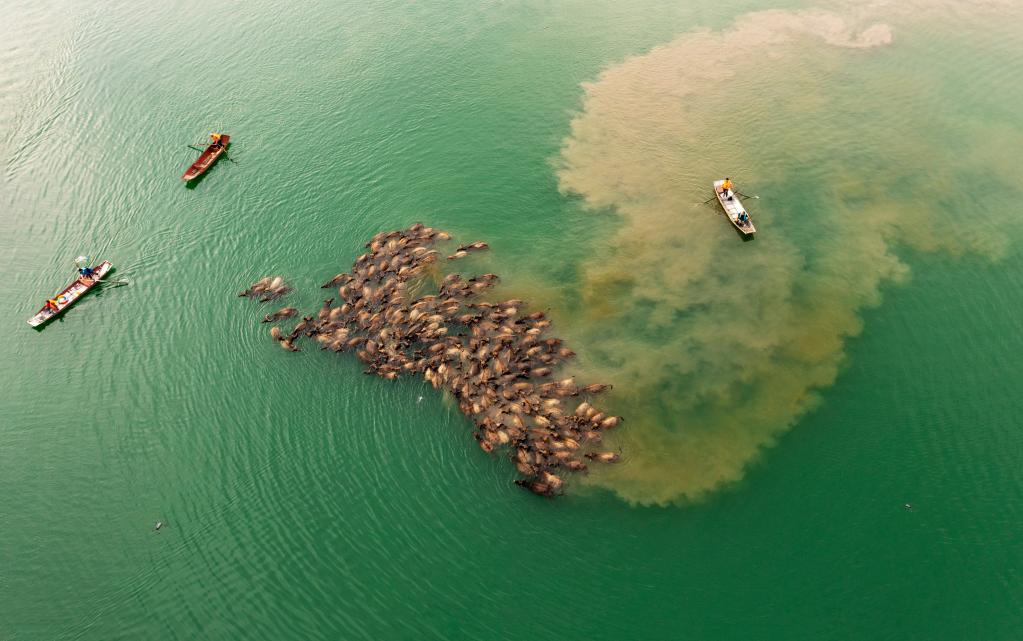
x=734, y=209
x=207, y=158
x=70, y=294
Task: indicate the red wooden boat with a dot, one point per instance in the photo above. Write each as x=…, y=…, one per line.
x=70, y=294
x=208, y=157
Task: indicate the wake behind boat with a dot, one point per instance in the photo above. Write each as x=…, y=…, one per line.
x=208, y=157
x=70, y=294
x=733, y=207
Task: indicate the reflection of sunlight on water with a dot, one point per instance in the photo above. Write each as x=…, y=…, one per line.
x=725, y=342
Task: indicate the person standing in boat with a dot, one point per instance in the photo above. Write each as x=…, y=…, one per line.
x=52, y=305
x=216, y=139
x=726, y=188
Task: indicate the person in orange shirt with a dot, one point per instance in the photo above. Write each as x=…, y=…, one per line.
x=726, y=188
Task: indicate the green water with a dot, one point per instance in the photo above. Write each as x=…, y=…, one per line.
x=871, y=331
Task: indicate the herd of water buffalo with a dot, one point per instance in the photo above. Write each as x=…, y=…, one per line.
x=494, y=358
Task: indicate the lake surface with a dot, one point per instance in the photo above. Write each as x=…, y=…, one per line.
x=785, y=398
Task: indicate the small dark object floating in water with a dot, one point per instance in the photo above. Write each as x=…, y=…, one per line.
x=208, y=157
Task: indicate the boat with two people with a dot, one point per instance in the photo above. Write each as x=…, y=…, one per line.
x=734, y=209
x=88, y=277
x=209, y=156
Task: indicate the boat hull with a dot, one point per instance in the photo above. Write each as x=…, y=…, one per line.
x=733, y=207
x=70, y=295
x=206, y=159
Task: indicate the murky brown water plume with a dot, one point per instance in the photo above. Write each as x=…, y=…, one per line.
x=725, y=344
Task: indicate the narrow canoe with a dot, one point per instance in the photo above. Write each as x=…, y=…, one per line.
x=70, y=294
x=733, y=209
x=206, y=159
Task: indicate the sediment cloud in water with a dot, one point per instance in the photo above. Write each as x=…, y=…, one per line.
x=725, y=344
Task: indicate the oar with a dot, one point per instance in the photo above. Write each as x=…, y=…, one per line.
x=225, y=154
x=116, y=283
x=197, y=146
x=103, y=281
x=745, y=196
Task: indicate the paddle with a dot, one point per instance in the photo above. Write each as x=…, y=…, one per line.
x=745, y=196
x=101, y=280
x=225, y=153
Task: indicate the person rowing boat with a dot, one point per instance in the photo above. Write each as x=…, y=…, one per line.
x=726, y=188
x=87, y=274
